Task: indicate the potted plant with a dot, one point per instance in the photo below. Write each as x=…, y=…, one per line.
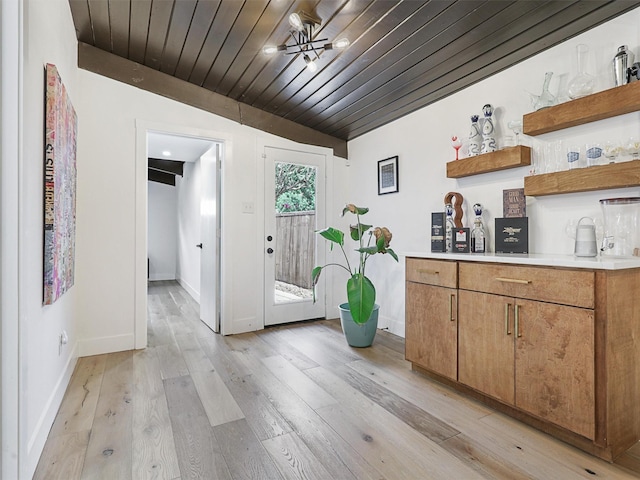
x=359, y=317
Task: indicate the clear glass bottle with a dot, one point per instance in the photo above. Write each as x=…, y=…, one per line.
x=582, y=83
x=449, y=227
x=477, y=237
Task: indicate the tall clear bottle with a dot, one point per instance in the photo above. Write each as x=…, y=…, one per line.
x=449, y=227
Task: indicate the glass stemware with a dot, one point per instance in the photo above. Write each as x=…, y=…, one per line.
x=633, y=148
x=611, y=150
x=516, y=127
x=456, y=143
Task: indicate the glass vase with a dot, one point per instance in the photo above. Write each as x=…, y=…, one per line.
x=582, y=84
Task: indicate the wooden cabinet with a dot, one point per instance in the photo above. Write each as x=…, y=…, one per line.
x=532, y=330
x=558, y=348
x=431, y=316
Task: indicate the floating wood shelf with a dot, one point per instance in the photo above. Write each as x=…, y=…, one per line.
x=510, y=157
x=598, y=106
x=614, y=175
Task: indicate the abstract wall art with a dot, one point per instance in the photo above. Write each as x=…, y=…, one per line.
x=59, y=188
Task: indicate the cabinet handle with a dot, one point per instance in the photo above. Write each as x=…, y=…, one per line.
x=428, y=272
x=506, y=318
x=513, y=280
x=451, y=298
x=517, y=320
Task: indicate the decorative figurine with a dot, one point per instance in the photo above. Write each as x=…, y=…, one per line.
x=456, y=143
x=475, y=137
x=488, y=130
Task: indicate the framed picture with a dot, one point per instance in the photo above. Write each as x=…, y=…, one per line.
x=388, y=175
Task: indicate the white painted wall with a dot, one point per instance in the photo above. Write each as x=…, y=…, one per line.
x=162, y=228
x=188, y=228
x=49, y=37
x=422, y=142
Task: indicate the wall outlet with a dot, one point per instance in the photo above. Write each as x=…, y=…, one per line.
x=248, y=207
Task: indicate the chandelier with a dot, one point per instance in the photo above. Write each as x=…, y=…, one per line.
x=302, y=27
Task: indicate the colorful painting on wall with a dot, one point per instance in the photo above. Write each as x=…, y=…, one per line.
x=59, y=189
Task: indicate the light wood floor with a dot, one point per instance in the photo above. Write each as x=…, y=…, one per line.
x=289, y=402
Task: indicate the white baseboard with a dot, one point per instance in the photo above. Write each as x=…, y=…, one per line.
x=100, y=345
x=392, y=325
x=244, y=325
x=155, y=277
x=36, y=443
x=190, y=290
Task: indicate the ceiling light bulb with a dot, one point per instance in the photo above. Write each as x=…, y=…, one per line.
x=296, y=22
x=311, y=65
x=269, y=49
x=166, y=153
x=342, y=43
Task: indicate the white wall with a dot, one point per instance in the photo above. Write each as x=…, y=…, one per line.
x=49, y=37
x=189, y=228
x=162, y=228
x=422, y=142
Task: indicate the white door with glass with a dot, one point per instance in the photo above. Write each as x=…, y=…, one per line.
x=294, y=210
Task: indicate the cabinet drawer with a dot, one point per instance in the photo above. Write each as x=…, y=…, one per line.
x=441, y=273
x=567, y=287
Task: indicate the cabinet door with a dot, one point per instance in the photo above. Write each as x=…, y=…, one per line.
x=486, y=345
x=555, y=364
x=431, y=328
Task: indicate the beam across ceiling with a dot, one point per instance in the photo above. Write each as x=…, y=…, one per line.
x=117, y=68
x=168, y=166
x=161, y=177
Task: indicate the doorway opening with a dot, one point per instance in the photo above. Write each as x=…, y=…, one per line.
x=178, y=225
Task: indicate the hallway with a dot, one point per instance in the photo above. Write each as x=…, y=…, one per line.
x=287, y=402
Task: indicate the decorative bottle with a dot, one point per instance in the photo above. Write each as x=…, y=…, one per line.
x=488, y=130
x=582, y=84
x=475, y=137
x=545, y=99
x=449, y=227
x=478, y=238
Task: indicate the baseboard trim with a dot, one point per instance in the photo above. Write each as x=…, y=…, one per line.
x=392, y=325
x=190, y=290
x=37, y=441
x=100, y=345
x=156, y=277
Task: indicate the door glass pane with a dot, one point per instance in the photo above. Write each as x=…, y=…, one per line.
x=295, y=194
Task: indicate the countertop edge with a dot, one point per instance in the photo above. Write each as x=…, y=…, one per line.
x=548, y=260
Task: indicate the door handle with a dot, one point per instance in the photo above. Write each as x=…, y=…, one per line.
x=199, y=245
x=269, y=250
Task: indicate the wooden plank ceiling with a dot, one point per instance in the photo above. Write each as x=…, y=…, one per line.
x=403, y=55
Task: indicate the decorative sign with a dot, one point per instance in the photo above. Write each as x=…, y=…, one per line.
x=59, y=189
x=514, y=203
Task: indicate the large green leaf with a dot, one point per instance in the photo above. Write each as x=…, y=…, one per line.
x=362, y=296
x=358, y=230
x=332, y=234
x=392, y=253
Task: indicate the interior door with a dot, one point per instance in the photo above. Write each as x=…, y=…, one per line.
x=294, y=210
x=210, y=232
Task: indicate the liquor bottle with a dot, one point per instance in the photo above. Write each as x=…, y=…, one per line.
x=478, y=237
x=449, y=227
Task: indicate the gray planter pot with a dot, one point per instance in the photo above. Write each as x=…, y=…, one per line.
x=359, y=334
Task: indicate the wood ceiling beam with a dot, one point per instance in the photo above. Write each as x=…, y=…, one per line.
x=117, y=68
x=161, y=177
x=169, y=166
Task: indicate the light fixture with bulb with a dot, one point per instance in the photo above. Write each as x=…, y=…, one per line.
x=302, y=26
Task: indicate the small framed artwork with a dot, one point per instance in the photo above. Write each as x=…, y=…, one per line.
x=388, y=175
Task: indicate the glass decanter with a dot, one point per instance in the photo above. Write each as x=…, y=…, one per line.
x=582, y=84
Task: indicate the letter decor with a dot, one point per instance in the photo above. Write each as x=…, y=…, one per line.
x=59, y=189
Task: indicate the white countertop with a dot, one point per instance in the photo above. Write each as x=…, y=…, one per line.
x=602, y=262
